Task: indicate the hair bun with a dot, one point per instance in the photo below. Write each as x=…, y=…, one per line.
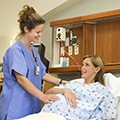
x=25, y=13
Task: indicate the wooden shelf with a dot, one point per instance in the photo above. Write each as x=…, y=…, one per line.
x=78, y=68
x=115, y=14
x=112, y=67
x=65, y=69
x=96, y=34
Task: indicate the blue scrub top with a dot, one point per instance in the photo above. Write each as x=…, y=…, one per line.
x=15, y=101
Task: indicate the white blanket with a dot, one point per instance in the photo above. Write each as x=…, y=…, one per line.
x=42, y=116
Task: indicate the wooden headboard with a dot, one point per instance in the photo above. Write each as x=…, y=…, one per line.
x=45, y=87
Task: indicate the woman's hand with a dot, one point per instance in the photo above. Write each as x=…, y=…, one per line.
x=70, y=98
x=47, y=98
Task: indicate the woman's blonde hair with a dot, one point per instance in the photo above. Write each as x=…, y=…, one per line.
x=97, y=62
x=29, y=18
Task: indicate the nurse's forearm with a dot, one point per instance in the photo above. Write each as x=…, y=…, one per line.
x=51, y=79
x=28, y=86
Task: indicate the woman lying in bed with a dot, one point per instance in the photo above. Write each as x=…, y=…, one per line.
x=95, y=103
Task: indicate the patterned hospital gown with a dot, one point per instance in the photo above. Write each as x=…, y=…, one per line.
x=96, y=103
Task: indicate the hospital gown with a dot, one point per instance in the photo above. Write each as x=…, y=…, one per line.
x=15, y=101
x=96, y=103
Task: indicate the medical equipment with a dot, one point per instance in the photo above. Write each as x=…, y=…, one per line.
x=60, y=34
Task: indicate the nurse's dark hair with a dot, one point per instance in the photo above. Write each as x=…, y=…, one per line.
x=29, y=18
x=97, y=62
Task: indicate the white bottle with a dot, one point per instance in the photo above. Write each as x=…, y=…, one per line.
x=63, y=60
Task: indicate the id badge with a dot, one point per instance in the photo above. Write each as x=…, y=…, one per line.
x=37, y=70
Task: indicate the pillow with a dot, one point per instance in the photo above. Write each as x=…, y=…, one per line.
x=112, y=83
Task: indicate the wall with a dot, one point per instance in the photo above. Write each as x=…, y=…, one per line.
x=8, y=24
x=84, y=7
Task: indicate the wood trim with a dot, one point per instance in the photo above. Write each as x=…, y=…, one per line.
x=112, y=67
x=78, y=68
x=1, y=84
x=65, y=69
x=108, y=14
x=65, y=21
x=101, y=15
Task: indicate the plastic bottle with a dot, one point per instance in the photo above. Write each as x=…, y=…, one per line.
x=63, y=61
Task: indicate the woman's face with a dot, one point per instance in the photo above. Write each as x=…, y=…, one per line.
x=36, y=33
x=88, y=71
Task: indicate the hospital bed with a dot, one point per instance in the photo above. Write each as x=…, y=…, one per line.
x=111, y=82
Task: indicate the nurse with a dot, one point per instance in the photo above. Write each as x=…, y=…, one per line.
x=23, y=70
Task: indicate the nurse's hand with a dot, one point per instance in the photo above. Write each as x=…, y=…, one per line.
x=47, y=98
x=70, y=98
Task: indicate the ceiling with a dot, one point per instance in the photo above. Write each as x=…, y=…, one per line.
x=46, y=8
x=55, y=6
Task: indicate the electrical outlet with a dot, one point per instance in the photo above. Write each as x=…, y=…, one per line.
x=76, y=49
x=67, y=41
x=70, y=50
x=62, y=50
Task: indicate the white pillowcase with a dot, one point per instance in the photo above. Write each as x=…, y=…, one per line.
x=112, y=83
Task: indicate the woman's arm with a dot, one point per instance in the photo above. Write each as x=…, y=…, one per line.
x=70, y=96
x=109, y=119
x=56, y=91
x=28, y=86
x=51, y=79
